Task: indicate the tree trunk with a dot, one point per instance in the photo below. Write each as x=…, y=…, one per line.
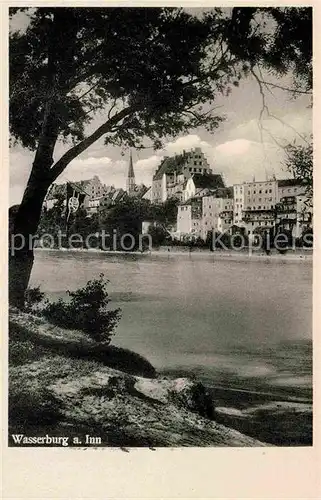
x=21, y=240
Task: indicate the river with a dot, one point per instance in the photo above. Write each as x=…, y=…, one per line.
x=246, y=324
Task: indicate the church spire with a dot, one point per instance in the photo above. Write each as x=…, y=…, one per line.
x=130, y=184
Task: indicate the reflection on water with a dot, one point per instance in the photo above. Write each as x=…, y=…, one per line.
x=243, y=323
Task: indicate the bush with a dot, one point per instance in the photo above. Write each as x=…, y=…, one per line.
x=33, y=297
x=86, y=311
x=159, y=235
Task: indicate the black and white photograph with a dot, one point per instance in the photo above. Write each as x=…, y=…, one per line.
x=160, y=227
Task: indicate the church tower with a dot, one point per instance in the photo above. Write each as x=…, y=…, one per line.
x=130, y=183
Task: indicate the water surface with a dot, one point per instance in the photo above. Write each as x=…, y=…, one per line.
x=244, y=323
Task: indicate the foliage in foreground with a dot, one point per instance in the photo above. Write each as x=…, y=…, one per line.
x=299, y=161
x=31, y=405
x=86, y=310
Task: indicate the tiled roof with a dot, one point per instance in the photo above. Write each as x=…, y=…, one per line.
x=289, y=182
x=169, y=165
x=209, y=181
x=192, y=201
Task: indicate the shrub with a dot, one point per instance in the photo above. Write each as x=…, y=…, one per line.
x=33, y=297
x=86, y=311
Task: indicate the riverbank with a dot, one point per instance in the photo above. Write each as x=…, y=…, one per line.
x=242, y=255
x=55, y=394
x=56, y=390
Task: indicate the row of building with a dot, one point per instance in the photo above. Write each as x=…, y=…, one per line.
x=98, y=196
x=252, y=206
x=205, y=203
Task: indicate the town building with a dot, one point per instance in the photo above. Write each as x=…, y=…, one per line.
x=130, y=182
x=199, y=185
x=173, y=172
x=92, y=188
x=238, y=206
x=112, y=197
x=259, y=199
x=270, y=203
x=217, y=215
x=139, y=191
x=292, y=210
x=189, y=218
x=148, y=194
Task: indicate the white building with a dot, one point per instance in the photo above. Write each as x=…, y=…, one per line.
x=173, y=171
x=217, y=214
x=199, y=185
x=189, y=218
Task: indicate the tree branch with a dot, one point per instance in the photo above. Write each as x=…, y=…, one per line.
x=72, y=153
x=287, y=89
x=87, y=91
x=111, y=108
x=270, y=115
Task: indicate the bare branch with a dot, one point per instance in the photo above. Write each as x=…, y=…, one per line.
x=287, y=89
x=271, y=115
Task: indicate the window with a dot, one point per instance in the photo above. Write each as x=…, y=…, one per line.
x=260, y=191
x=254, y=192
x=259, y=207
x=260, y=199
x=195, y=162
x=270, y=190
x=249, y=232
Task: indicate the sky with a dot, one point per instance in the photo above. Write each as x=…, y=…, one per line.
x=235, y=149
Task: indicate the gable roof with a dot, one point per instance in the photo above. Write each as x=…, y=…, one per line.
x=195, y=200
x=209, y=181
x=169, y=165
x=289, y=182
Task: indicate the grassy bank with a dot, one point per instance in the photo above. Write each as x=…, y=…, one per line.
x=64, y=384
x=60, y=386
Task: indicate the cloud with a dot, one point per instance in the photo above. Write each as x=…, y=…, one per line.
x=282, y=129
x=145, y=168
x=109, y=171
x=20, y=167
x=241, y=160
x=234, y=148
